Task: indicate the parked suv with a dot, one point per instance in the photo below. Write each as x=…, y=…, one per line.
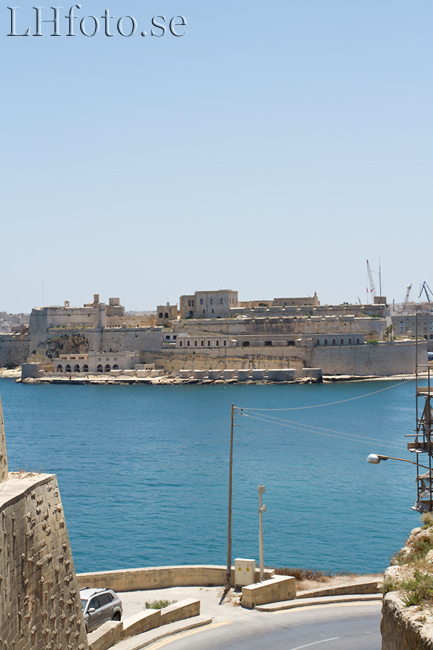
x=100, y=605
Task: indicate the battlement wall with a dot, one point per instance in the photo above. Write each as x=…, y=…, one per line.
x=39, y=597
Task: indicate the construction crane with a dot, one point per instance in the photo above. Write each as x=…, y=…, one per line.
x=428, y=292
x=370, y=280
x=407, y=296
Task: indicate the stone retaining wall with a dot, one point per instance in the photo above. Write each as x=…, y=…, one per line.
x=161, y=577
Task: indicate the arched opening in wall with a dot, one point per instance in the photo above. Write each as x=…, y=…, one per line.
x=160, y=315
x=326, y=341
x=85, y=368
x=99, y=368
x=77, y=368
x=107, y=368
x=290, y=342
x=431, y=336
x=68, y=368
x=115, y=367
x=59, y=368
x=166, y=315
x=333, y=341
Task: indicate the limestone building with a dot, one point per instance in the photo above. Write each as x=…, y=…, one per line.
x=208, y=304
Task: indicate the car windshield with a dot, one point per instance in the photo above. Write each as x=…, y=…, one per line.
x=83, y=604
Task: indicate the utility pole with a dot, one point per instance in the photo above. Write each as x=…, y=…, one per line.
x=229, y=518
x=262, y=509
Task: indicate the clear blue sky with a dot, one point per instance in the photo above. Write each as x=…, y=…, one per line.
x=272, y=149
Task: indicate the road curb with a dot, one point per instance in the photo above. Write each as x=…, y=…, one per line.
x=322, y=600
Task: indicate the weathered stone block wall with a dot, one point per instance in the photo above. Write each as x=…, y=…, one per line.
x=3, y=454
x=14, y=349
x=39, y=598
x=381, y=359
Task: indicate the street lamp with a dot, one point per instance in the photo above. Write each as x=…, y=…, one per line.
x=376, y=458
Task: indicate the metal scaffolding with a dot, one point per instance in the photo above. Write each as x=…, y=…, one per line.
x=422, y=443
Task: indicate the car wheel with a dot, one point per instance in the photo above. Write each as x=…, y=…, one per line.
x=116, y=616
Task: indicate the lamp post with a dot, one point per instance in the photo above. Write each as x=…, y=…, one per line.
x=376, y=458
x=262, y=509
x=229, y=517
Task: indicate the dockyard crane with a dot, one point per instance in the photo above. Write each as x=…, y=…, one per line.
x=407, y=297
x=370, y=280
x=428, y=292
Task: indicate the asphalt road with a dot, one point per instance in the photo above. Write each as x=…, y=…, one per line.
x=350, y=626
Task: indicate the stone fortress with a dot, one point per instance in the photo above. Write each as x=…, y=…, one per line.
x=214, y=331
x=39, y=597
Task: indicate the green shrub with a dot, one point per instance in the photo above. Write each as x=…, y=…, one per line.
x=159, y=604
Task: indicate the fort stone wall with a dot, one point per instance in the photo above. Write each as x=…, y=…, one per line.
x=39, y=597
x=14, y=349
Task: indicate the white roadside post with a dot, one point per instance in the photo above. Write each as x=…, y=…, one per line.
x=262, y=509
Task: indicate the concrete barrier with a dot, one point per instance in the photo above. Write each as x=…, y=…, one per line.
x=269, y=591
x=186, y=608
x=282, y=374
x=312, y=373
x=258, y=374
x=215, y=374
x=185, y=374
x=112, y=632
x=243, y=375
x=229, y=374
x=161, y=577
x=200, y=374
x=105, y=636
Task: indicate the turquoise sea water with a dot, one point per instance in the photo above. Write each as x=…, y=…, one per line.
x=143, y=470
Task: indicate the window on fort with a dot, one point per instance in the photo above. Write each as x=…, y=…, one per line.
x=204, y=311
x=290, y=342
x=167, y=337
x=68, y=368
x=208, y=344
x=99, y=368
x=350, y=341
x=333, y=341
x=201, y=301
x=189, y=303
x=59, y=368
x=211, y=301
x=326, y=341
x=192, y=303
x=245, y=344
x=217, y=343
x=357, y=341
x=213, y=311
x=195, y=343
x=174, y=337
x=225, y=342
x=76, y=368
x=180, y=343
x=317, y=342
x=187, y=344
x=160, y=314
x=107, y=368
x=202, y=343
x=268, y=343
x=115, y=367
x=342, y=341
x=221, y=301
x=85, y=368
x=191, y=313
